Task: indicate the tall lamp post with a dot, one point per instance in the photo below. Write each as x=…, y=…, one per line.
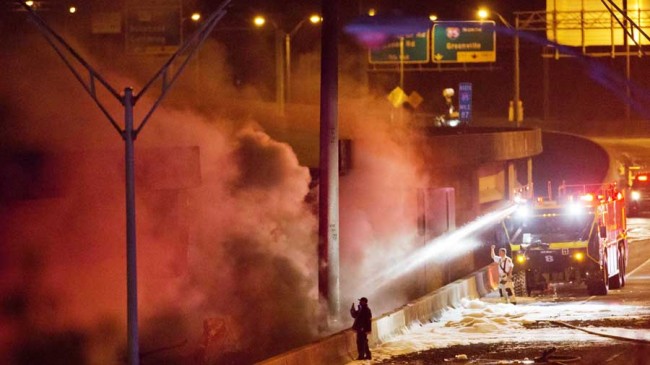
x=260, y=21
x=283, y=55
x=195, y=18
x=484, y=13
x=314, y=19
x=129, y=132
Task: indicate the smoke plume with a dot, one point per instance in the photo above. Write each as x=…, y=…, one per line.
x=227, y=266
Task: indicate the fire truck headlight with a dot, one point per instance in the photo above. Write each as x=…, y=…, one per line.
x=579, y=256
x=574, y=208
x=635, y=195
x=519, y=200
x=521, y=259
x=522, y=211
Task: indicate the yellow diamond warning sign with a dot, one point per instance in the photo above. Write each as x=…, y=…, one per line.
x=415, y=99
x=397, y=97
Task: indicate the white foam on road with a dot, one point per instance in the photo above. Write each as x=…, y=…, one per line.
x=480, y=321
x=637, y=229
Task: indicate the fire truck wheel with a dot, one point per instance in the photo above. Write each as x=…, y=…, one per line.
x=621, y=266
x=519, y=280
x=599, y=286
x=616, y=282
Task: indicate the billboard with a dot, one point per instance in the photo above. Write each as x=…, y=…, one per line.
x=589, y=23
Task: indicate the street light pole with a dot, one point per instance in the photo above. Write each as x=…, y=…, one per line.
x=278, y=40
x=515, y=104
x=131, y=254
x=287, y=51
x=283, y=57
x=484, y=13
x=287, y=64
x=401, y=76
x=328, y=205
x=195, y=17
x=129, y=134
x=279, y=71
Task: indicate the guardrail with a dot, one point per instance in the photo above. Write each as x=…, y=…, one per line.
x=340, y=348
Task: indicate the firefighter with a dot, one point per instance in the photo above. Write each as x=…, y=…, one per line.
x=506, y=286
x=362, y=326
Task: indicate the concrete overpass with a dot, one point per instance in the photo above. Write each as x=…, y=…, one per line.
x=472, y=169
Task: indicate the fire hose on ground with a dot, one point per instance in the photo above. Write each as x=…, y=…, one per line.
x=622, y=338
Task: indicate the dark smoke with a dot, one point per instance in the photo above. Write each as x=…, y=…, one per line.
x=226, y=238
x=223, y=229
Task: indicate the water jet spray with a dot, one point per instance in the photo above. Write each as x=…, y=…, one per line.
x=442, y=249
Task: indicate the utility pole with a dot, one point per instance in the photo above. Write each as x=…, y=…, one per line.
x=129, y=134
x=279, y=71
x=515, y=103
x=328, y=223
x=626, y=44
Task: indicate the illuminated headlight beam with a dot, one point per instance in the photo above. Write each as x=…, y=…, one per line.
x=574, y=208
x=522, y=211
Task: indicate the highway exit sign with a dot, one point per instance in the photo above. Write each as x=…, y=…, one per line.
x=415, y=50
x=464, y=42
x=153, y=26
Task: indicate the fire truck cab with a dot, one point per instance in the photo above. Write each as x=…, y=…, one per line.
x=580, y=238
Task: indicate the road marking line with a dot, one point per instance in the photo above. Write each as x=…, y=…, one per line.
x=588, y=299
x=638, y=267
x=611, y=358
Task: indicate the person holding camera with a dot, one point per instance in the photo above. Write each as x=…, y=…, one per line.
x=362, y=326
x=506, y=286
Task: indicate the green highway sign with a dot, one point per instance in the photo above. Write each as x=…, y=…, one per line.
x=153, y=27
x=416, y=50
x=464, y=41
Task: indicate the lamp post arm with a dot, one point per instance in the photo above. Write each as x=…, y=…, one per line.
x=297, y=27
x=60, y=46
x=503, y=20
x=187, y=50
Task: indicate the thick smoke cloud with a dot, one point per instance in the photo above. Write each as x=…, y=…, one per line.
x=236, y=244
x=226, y=239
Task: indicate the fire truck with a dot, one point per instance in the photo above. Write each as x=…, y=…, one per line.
x=639, y=197
x=578, y=238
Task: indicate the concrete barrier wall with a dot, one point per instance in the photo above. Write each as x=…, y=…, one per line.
x=340, y=348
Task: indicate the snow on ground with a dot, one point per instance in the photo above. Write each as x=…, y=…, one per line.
x=637, y=229
x=489, y=321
